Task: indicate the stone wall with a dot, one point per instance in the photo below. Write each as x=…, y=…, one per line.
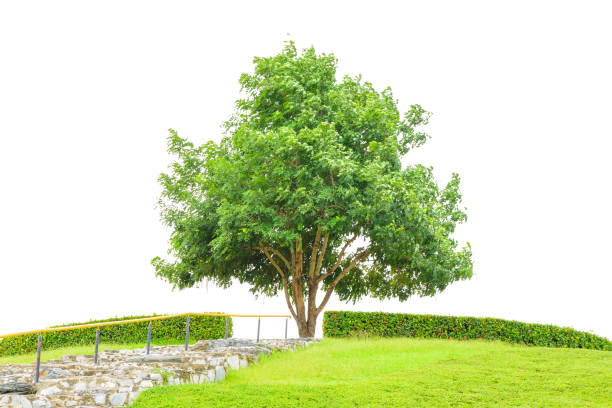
x=120, y=375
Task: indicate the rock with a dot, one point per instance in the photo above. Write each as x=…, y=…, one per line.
x=80, y=386
x=216, y=361
x=100, y=398
x=133, y=395
x=233, y=362
x=201, y=345
x=52, y=373
x=48, y=392
x=219, y=373
x=41, y=404
x=16, y=388
x=20, y=401
x=156, y=358
x=126, y=383
x=117, y=399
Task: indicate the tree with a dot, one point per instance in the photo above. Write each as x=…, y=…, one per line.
x=306, y=194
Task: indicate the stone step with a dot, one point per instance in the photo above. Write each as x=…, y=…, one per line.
x=75, y=381
x=16, y=388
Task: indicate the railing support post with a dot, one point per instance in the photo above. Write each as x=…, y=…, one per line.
x=226, y=327
x=149, y=338
x=286, y=324
x=96, y=348
x=187, y=335
x=38, y=347
x=258, y=324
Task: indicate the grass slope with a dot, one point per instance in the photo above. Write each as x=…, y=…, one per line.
x=404, y=372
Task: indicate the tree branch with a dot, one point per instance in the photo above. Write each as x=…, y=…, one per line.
x=315, y=251
x=340, y=257
x=330, y=290
x=283, y=277
x=320, y=261
x=261, y=247
x=285, y=261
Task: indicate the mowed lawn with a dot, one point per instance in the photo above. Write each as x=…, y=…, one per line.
x=406, y=373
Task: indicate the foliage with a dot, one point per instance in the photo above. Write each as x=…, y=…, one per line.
x=341, y=324
x=165, y=330
x=404, y=372
x=307, y=190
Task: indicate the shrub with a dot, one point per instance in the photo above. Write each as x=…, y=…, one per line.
x=342, y=324
x=162, y=331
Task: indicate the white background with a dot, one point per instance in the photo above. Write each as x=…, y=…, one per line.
x=522, y=100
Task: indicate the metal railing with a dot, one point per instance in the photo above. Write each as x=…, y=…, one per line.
x=144, y=319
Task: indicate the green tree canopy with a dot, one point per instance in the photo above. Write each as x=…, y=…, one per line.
x=306, y=194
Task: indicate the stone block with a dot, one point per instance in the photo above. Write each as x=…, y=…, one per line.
x=133, y=395
x=125, y=383
x=219, y=373
x=80, y=386
x=53, y=373
x=117, y=399
x=22, y=402
x=100, y=398
x=233, y=362
x=48, y=392
x=41, y=404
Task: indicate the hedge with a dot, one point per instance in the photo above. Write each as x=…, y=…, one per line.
x=163, y=331
x=341, y=324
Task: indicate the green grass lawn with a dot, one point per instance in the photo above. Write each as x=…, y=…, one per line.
x=406, y=373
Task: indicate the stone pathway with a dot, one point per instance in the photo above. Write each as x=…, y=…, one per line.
x=120, y=375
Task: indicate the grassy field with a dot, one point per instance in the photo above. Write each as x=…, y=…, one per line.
x=406, y=373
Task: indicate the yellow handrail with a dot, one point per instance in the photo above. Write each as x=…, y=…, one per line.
x=144, y=319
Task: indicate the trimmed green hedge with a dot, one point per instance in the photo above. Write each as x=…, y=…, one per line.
x=341, y=324
x=163, y=331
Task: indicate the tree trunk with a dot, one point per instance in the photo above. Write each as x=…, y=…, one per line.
x=307, y=328
x=306, y=312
